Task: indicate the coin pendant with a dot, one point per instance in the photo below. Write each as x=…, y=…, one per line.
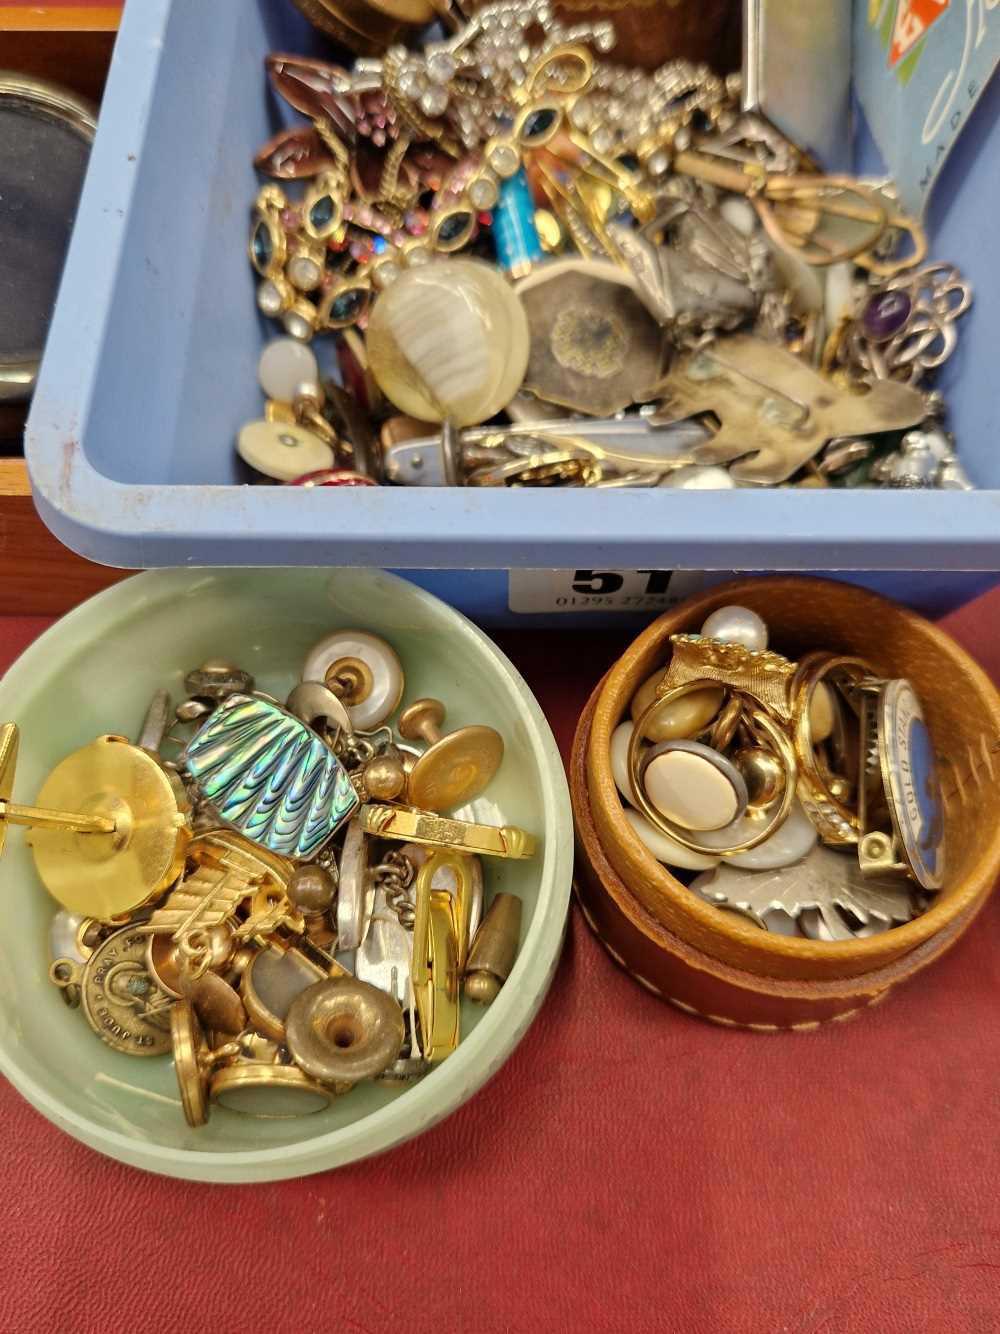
x=123, y=1005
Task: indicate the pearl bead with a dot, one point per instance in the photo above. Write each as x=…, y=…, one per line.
x=698, y=477
x=737, y=625
x=269, y=299
x=304, y=273
x=620, y=739
x=297, y=326
x=666, y=849
x=284, y=364
x=694, y=786
x=684, y=717
x=794, y=840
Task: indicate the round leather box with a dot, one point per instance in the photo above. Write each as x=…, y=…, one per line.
x=691, y=979
x=963, y=713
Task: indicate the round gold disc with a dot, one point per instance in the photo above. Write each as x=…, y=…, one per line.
x=272, y=1092
x=122, y=1003
x=455, y=769
x=342, y=1030
x=107, y=875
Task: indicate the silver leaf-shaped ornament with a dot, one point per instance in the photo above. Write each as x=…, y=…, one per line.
x=824, y=880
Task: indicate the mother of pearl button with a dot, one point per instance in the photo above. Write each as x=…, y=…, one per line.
x=789, y=843
x=64, y=936
x=737, y=625
x=683, y=717
x=285, y=364
x=384, y=690
x=664, y=848
x=449, y=341
x=693, y=786
x=282, y=450
x=620, y=739
x=822, y=706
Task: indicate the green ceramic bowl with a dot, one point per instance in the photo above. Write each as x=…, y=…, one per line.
x=94, y=672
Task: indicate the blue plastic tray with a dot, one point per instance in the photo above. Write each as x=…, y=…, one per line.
x=150, y=371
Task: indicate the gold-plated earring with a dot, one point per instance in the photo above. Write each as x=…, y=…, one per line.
x=268, y=246
x=323, y=206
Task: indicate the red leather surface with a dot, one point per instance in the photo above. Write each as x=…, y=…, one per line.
x=629, y=1169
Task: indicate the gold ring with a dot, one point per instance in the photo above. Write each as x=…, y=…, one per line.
x=837, y=823
x=759, y=719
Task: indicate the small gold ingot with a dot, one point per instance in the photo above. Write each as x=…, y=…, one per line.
x=406, y=824
x=455, y=768
x=494, y=949
x=111, y=830
x=341, y=1030
x=878, y=854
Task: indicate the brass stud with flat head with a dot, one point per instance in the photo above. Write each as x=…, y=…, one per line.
x=456, y=767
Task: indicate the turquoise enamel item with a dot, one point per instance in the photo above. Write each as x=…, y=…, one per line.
x=270, y=777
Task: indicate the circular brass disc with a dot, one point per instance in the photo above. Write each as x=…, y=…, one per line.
x=122, y=1003
x=190, y=1048
x=341, y=1030
x=107, y=875
x=272, y=1092
x=455, y=769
